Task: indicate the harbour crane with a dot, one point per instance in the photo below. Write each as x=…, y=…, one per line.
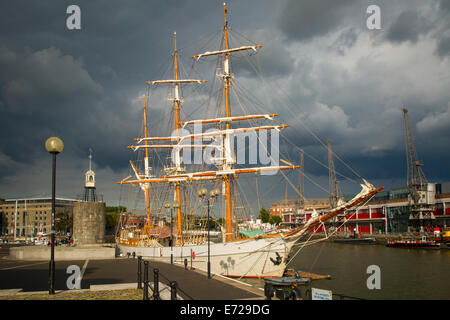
x=334, y=190
x=420, y=200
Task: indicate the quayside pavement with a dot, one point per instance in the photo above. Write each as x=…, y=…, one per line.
x=20, y=277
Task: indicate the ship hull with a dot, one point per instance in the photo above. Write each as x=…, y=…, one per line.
x=413, y=245
x=356, y=240
x=252, y=258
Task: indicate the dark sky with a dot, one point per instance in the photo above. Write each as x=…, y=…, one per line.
x=322, y=68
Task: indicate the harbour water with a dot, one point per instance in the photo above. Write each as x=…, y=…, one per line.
x=420, y=274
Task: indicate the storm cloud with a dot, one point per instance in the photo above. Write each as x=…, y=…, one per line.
x=321, y=69
x=407, y=27
x=303, y=20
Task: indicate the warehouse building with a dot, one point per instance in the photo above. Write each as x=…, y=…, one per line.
x=26, y=217
x=388, y=212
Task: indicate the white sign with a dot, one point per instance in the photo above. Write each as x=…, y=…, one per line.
x=320, y=294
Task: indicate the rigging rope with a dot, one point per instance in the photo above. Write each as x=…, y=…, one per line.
x=296, y=117
x=334, y=231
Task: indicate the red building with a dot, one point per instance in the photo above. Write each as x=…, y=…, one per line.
x=388, y=212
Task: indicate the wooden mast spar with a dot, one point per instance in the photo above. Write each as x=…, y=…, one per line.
x=227, y=172
x=144, y=184
x=176, y=105
x=228, y=159
x=176, y=102
x=147, y=169
x=226, y=86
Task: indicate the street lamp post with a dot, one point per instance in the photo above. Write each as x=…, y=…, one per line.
x=54, y=146
x=171, y=235
x=213, y=193
x=171, y=206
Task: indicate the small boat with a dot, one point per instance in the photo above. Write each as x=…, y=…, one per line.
x=414, y=244
x=445, y=245
x=355, y=240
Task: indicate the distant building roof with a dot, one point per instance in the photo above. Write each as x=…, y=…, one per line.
x=39, y=199
x=307, y=202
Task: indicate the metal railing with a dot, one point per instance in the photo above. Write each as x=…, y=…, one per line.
x=284, y=292
x=144, y=283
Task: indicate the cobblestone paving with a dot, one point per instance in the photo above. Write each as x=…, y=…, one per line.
x=126, y=294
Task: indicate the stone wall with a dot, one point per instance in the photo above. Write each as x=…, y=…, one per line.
x=42, y=253
x=89, y=222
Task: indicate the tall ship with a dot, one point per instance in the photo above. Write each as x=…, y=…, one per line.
x=180, y=186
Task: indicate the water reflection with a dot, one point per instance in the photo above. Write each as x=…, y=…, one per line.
x=405, y=273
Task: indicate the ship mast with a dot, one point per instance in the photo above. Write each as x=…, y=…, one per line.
x=226, y=86
x=228, y=158
x=147, y=168
x=226, y=171
x=176, y=104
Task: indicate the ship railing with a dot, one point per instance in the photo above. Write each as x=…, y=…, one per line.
x=145, y=284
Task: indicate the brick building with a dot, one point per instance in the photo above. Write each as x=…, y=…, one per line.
x=388, y=212
x=26, y=217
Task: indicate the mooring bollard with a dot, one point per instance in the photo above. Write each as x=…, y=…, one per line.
x=145, y=280
x=173, y=290
x=139, y=275
x=308, y=294
x=156, y=284
x=268, y=291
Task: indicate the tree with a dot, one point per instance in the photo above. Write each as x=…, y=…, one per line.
x=116, y=209
x=112, y=216
x=63, y=222
x=213, y=225
x=275, y=220
x=264, y=215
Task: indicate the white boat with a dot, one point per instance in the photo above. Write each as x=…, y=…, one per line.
x=259, y=256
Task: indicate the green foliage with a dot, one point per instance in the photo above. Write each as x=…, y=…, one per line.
x=70, y=223
x=275, y=220
x=213, y=224
x=264, y=215
x=63, y=222
x=116, y=209
x=200, y=222
x=112, y=216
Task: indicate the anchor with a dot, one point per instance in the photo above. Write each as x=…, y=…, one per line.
x=276, y=261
